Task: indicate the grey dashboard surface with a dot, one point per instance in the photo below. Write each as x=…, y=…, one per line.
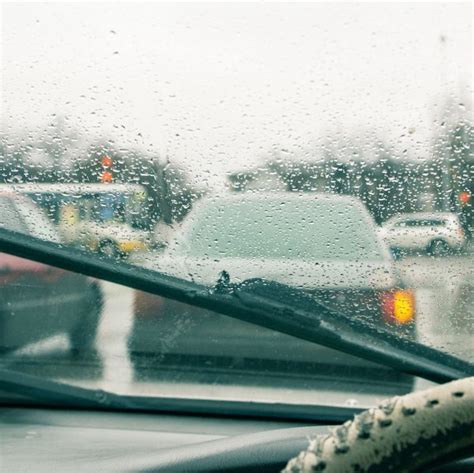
x=45, y=440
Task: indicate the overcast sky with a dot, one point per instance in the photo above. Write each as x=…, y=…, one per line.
x=218, y=86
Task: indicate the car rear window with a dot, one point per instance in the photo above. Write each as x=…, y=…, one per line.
x=319, y=229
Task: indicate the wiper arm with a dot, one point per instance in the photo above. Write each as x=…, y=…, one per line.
x=256, y=302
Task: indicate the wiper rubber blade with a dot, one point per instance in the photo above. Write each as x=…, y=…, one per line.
x=256, y=302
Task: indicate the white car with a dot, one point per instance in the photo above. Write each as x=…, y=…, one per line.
x=435, y=232
x=326, y=245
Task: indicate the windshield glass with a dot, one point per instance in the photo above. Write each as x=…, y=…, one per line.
x=311, y=165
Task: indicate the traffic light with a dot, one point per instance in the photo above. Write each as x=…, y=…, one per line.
x=464, y=198
x=106, y=161
x=106, y=175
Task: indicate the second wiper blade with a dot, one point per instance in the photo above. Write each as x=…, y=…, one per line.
x=270, y=305
x=31, y=390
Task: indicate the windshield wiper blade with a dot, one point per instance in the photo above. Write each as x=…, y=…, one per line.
x=35, y=391
x=55, y=393
x=256, y=303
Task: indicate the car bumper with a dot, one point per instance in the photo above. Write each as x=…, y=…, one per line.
x=172, y=337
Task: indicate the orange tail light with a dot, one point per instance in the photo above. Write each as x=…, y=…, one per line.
x=398, y=306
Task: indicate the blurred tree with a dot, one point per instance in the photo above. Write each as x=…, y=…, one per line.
x=385, y=183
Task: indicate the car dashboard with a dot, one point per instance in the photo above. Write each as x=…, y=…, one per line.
x=45, y=440
x=72, y=441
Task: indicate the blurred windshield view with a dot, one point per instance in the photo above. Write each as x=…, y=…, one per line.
x=325, y=147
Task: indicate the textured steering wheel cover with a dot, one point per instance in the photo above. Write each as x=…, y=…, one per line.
x=403, y=434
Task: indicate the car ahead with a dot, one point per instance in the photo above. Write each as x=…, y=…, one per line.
x=36, y=300
x=434, y=232
x=326, y=245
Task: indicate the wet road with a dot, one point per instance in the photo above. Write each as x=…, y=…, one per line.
x=444, y=289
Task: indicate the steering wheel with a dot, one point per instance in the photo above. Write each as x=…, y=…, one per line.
x=404, y=434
